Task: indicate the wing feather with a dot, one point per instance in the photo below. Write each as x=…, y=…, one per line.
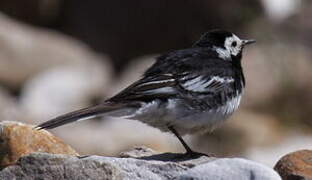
x=206, y=84
x=159, y=86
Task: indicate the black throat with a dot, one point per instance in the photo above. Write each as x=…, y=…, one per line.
x=237, y=63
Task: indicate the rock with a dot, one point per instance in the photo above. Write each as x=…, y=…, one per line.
x=277, y=14
x=295, y=166
x=62, y=89
x=230, y=168
x=17, y=139
x=145, y=166
x=48, y=166
x=26, y=51
x=9, y=107
x=137, y=152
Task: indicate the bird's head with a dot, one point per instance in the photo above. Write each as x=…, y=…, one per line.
x=225, y=43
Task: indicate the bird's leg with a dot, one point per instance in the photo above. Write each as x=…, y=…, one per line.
x=189, y=151
x=187, y=148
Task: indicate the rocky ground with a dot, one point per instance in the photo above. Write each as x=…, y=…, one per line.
x=27, y=153
x=143, y=166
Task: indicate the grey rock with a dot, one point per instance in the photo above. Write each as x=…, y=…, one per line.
x=148, y=166
x=230, y=168
x=48, y=166
x=62, y=89
x=137, y=152
x=9, y=106
x=27, y=50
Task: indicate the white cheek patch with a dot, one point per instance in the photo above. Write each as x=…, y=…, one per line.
x=228, y=45
x=229, y=50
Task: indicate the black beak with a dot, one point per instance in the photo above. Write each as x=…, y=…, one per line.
x=248, y=41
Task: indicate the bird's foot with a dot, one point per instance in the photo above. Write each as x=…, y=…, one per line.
x=82, y=157
x=193, y=154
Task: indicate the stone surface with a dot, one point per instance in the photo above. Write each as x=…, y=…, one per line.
x=17, y=139
x=295, y=166
x=137, y=152
x=48, y=167
x=26, y=51
x=230, y=168
x=62, y=89
x=9, y=108
x=143, y=164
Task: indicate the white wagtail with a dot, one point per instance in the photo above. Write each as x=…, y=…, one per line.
x=184, y=92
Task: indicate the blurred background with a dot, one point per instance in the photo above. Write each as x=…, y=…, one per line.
x=57, y=56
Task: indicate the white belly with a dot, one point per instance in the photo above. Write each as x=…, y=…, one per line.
x=183, y=119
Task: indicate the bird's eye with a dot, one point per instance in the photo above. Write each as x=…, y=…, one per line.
x=234, y=44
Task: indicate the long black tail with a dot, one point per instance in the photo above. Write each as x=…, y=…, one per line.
x=82, y=114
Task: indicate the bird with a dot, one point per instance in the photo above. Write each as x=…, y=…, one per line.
x=186, y=91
